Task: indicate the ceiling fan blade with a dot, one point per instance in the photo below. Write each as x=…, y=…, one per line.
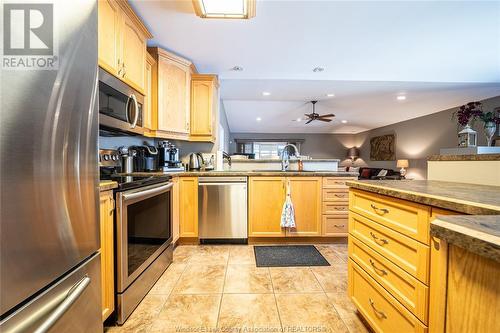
x=307, y=122
x=327, y=120
x=327, y=115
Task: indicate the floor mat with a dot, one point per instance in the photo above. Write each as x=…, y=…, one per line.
x=288, y=256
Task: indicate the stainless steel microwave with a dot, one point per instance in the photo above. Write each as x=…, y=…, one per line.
x=120, y=106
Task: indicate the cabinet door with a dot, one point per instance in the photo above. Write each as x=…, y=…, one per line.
x=134, y=54
x=175, y=210
x=204, y=107
x=188, y=206
x=306, y=198
x=109, y=20
x=107, y=255
x=148, y=89
x=173, y=96
x=266, y=196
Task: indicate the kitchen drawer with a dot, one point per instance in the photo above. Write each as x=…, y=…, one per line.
x=408, y=218
x=407, y=253
x=382, y=311
x=335, y=182
x=335, y=208
x=410, y=292
x=334, y=225
x=335, y=194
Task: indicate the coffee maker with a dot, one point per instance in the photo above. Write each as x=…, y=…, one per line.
x=169, y=159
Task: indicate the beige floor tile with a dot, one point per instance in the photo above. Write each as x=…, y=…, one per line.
x=294, y=280
x=247, y=279
x=331, y=279
x=344, y=306
x=188, y=312
x=183, y=253
x=330, y=254
x=201, y=279
x=167, y=281
x=355, y=324
x=144, y=315
x=308, y=312
x=248, y=312
x=210, y=254
x=241, y=255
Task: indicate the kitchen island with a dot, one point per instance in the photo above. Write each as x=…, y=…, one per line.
x=417, y=263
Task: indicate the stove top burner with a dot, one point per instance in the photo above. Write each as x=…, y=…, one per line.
x=130, y=182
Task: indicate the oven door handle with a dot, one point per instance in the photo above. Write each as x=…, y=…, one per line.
x=148, y=193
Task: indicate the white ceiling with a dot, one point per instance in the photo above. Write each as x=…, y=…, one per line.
x=439, y=53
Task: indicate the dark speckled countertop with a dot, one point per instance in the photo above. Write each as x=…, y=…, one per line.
x=459, y=197
x=479, y=234
x=266, y=173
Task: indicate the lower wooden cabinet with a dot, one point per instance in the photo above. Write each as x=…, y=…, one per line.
x=188, y=206
x=107, y=207
x=306, y=198
x=265, y=201
x=175, y=210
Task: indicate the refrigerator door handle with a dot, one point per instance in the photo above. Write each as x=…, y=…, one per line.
x=61, y=309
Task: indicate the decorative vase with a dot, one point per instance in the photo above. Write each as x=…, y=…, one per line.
x=489, y=130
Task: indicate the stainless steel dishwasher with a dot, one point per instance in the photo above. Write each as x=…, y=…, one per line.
x=222, y=210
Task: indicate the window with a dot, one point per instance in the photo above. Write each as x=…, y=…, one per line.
x=264, y=149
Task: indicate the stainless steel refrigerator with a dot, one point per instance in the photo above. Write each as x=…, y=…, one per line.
x=49, y=259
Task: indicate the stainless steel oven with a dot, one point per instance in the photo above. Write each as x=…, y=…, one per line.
x=120, y=106
x=143, y=242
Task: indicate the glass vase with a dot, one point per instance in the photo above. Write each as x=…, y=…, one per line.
x=489, y=130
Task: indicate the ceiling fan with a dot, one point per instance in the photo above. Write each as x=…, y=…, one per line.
x=315, y=116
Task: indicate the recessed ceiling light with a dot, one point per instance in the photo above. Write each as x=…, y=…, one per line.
x=237, y=68
x=239, y=9
x=299, y=119
x=258, y=118
x=266, y=93
x=401, y=97
x=330, y=95
x=344, y=121
x=318, y=69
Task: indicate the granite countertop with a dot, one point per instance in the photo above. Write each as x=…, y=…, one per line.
x=460, y=197
x=475, y=157
x=479, y=234
x=105, y=185
x=266, y=173
x=237, y=160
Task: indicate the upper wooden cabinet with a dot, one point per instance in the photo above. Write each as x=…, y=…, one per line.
x=170, y=107
x=147, y=119
x=122, y=42
x=265, y=201
x=204, y=107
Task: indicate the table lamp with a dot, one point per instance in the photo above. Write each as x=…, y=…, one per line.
x=403, y=164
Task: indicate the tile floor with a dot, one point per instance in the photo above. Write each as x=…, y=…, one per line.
x=211, y=289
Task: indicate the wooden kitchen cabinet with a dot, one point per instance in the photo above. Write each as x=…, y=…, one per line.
x=147, y=120
x=171, y=89
x=204, y=107
x=265, y=201
x=122, y=42
x=175, y=210
x=306, y=199
x=188, y=206
x=107, y=206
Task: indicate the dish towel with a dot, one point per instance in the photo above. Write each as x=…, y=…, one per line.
x=288, y=213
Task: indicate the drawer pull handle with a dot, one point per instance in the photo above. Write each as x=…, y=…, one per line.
x=339, y=225
x=381, y=240
x=340, y=183
x=379, y=313
x=340, y=195
x=340, y=208
x=382, y=271
x=383, y=210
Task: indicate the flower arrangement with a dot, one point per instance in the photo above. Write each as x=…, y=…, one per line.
x=474, y=110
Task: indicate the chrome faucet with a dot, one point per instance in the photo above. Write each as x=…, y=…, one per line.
x=285, y=157
x=227, y=157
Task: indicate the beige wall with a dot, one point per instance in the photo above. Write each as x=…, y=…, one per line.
x=418, y=138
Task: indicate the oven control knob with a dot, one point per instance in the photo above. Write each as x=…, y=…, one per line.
x=114, y=157
x=105, y=157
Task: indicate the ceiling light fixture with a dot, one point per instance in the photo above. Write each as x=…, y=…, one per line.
x=330, y=95
x=233, y=9
x=237, y=69
x=318, y=69
x=266, y=93
x=299, y=119
x=401, y=97
x=344, y=121
x=258, y=118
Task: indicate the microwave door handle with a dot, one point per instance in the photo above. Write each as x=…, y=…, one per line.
x=136, y=105
x=147, y=193
x=126, y=109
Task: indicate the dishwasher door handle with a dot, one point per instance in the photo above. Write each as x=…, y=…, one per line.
x=220, y=184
